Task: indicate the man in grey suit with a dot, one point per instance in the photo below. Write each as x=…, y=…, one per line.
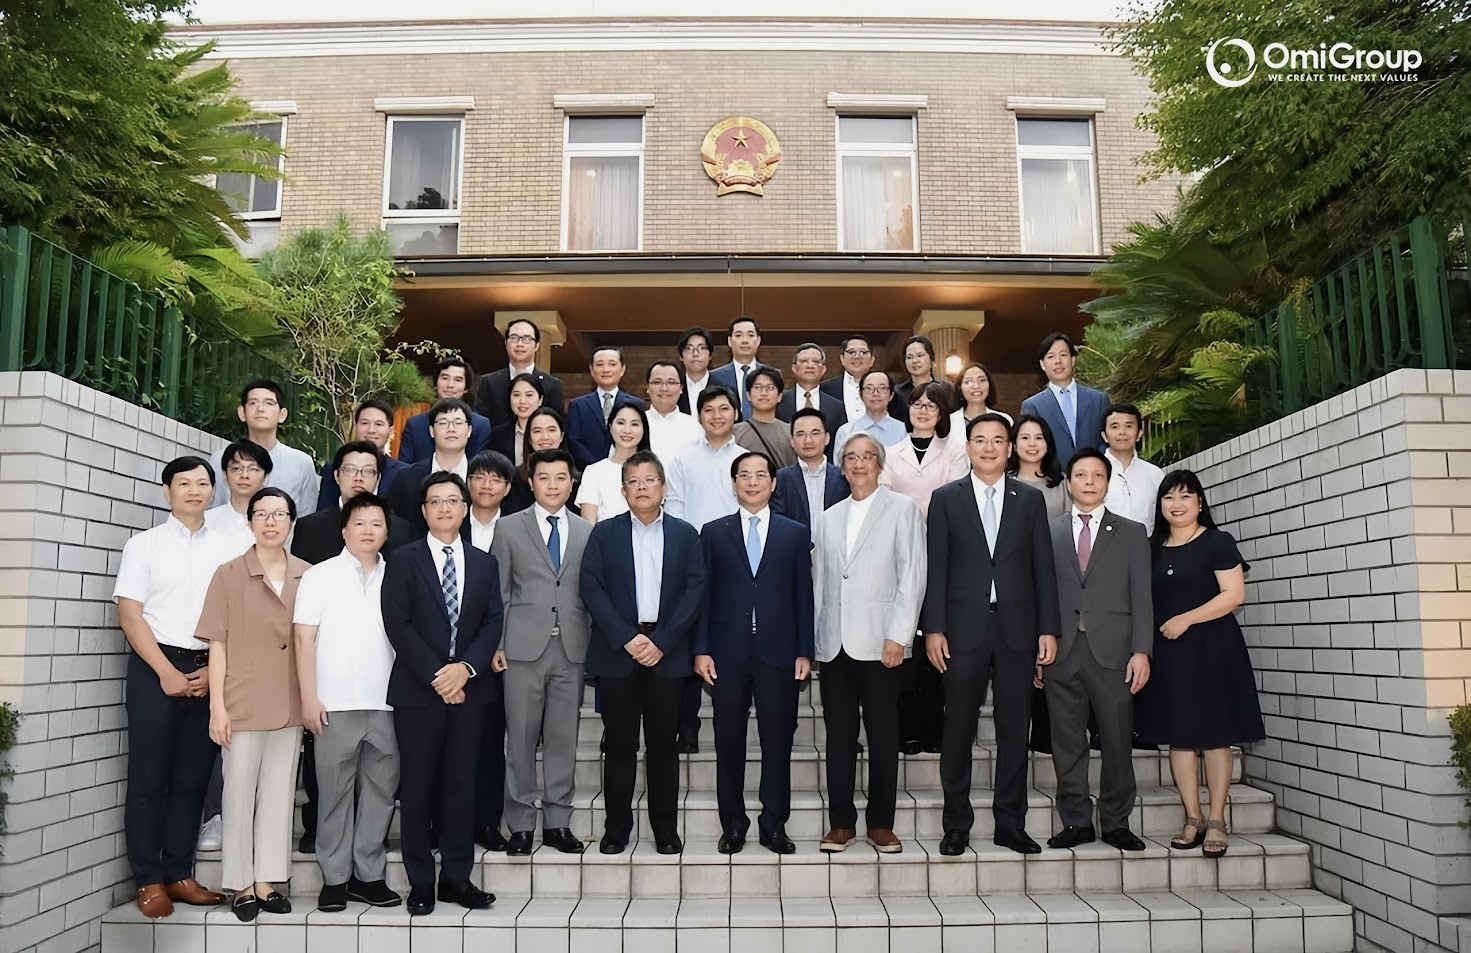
x=868, y=567
x=1103, y=586
x=542, y=652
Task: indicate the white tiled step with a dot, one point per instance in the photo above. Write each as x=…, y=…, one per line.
x=810, y=726
x=1255, y=861
x=1255, y=921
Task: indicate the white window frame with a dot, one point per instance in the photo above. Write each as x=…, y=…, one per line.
x=571, y=150
x=428, y=216
x=884, y=150
x=265, y=216
x=1089, y=152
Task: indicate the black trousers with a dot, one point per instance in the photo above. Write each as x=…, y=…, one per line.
x=490, y=775
x=309, y=784
x=849, y=685
x=921, y=702
x=689, y=709
x=641, y=696
x=437, y=749
x=774, y=691
x=1010, y=674
x=170, y=758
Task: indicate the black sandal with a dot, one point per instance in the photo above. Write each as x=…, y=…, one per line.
x=275, y=903
x=1214, y=849
x=246, y=906
x=1180, y=843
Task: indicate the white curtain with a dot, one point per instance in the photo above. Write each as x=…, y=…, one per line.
x=602, y=203
x=422, y=173
x=878, y=203
x=1057, y=202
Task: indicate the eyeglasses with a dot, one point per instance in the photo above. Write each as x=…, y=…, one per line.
x=262, y=403
x=695, y=349
x=455, y=424
x=367, y=473
x=245, y=470
x=647, y=483
x=925, y=407
x=867, y=456
x=756, y=477
x=763, y=388
x=989, y=441
x=876, y=389
x=857, y=352
x=520, y=339
x=444, y=503
x=271, y=516
x=808, y=362
x=483, y=478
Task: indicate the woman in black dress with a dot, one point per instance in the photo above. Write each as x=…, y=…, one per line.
x=1201, y=698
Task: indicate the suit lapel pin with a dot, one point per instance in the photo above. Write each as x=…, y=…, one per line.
x=1108, y=529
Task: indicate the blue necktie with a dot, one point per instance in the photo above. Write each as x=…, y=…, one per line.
x=988, y=520
x=554, y=545
x=1069, y=414
x=451, y=584
x=745, y=398
x=753, y=556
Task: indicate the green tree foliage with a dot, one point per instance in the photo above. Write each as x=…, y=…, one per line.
x=337, y=309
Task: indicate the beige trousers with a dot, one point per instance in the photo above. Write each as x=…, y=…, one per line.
x=259, y=807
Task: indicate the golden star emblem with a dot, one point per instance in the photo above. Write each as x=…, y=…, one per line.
x=740, y=138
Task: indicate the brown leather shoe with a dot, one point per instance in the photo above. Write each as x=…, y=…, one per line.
x=884, y=841
x=837, y=840
x=153, y=902
x=193, y=893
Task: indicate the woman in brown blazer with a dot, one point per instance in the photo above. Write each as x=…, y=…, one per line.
x=255, y=704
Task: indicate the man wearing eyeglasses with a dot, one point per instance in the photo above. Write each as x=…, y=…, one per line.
x=695, y=350
x=247, y=467
x=493, y=396
x=806, y=393
x=877, y=391
x=373, y=422
x=762, y=431
x=449, y=423
x=858, y=359
x=643, y=582
x=263, y=410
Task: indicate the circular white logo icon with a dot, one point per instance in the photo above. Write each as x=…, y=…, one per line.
x=1224, y=73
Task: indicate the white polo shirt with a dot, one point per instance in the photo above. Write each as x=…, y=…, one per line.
x=354, y=657
x=169, y=569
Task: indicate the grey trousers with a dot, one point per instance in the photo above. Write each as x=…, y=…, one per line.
x=357, y=775
x=543, y=700
x=1074, y=685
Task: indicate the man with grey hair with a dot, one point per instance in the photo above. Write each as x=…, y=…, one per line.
x=868, y=568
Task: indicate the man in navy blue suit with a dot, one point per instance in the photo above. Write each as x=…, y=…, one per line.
x=587, y=416
x=755, y=641
x=1074, y=412
x=810, y=485
x=442, y=613
x=373, y=422
x=643, y=583
x=454, y=379
x=744, y=339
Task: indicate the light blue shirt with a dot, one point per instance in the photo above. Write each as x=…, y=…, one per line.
x=888, y=430
x=291, y=470
x=648, y=566
x=700, y=487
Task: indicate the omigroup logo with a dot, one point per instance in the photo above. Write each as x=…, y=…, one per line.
x=1233, y=62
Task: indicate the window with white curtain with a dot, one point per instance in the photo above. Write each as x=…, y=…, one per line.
x=421, y=184
x=251, y=197
x=1059, y=201
x=603, y=183
x=878, y=184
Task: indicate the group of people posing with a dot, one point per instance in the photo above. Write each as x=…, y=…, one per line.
x=430, y=620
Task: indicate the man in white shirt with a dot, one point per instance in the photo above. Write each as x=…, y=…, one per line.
x=263, y=411
x=671, y=430
x=490, y=480
x=699, y=479
x=877, y=392
x=1133, y=489
x=247, y=468
x=695, y=350
x=449, y=426
x=161, y=582
x=868, y=569
x=343, y=658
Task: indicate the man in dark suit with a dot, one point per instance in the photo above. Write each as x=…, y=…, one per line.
x=808, y=366
x=812, y=480
x=449, y=424
x=356, y=467
x=587, y=416
x=1103, y=585
x=1074, y=412
x=990, y=615
x=858, y=359
x=643, y=582
x=442, y=612
x=755, y=640
x=454, y=379
x=744, y=338
x=373, y=422
x=493, y=396
x=695, y=350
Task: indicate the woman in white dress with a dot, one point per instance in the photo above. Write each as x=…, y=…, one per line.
x=977, y=396
x=601, y=495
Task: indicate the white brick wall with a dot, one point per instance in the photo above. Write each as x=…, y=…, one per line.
x=78, y=476
x=1356, y=517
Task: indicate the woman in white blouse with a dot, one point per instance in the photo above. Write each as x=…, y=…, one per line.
x=601, y=495
x=977, y=396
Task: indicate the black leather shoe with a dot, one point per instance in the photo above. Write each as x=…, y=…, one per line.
x=954, y=843
x=777, y=842
x=520, y=844
x=1071, y=837
x=421, y=900
x=910, y=747
x=688, y=746
x=561, y=839
x=374, y=893
x=731, y=842
x=333, y=898
x=490, y=838
x=465, y=894
x=273, y=902
x=308, y=843
x=1019, y=841
x=613, y=843
x=1123, y=839
x=668, y=842
x=930, y=747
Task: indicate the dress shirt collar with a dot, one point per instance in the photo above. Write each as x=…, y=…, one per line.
x=183, y=532
x=705, y=442
x=803, y=393
x=475, y=521
x=460, y=469
x=818, y=469
x=542, y=514
x=436, y=545
x=640, y=526
x=676, y=412
x=349, y=559
x=743, y=367
x=763, y=516
x=980, y=485
x=517, y=372
x=1097, y=514
x=603, y=392
x=1058, y=391
x=1118, y=466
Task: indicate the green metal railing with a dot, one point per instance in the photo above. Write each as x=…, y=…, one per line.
x=61, y=313
x=1386, y=308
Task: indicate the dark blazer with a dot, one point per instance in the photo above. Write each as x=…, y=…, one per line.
x=790, y=497
x=1113, y=598
x=1089, y=412
x=418, y=625
x=833, y=387
x=417, y=444
x=684, y=393
x=962, y=568
x=493, y=395
x=405, y=495
x=608, y=592
x=833, y=411
x=329, y=495
x=503, y=440
x=780, y=592
x=317, y=537
x=587, y=430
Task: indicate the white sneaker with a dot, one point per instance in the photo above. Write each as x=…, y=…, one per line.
x=210, y=834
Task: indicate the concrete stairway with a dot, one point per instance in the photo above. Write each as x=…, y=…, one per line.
x=1093, y=898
